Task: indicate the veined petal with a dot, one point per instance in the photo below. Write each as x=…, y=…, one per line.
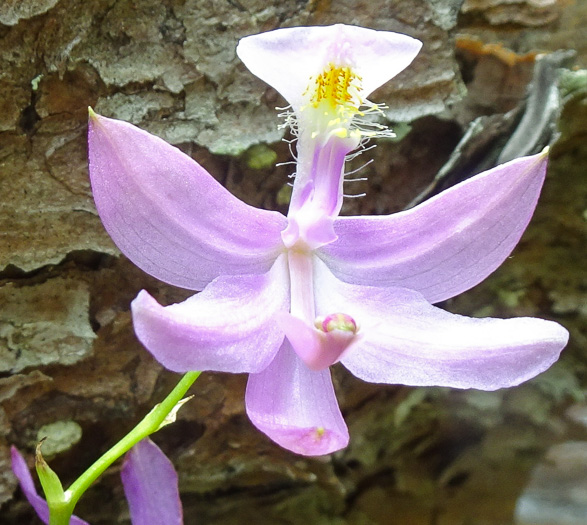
x=408, y=341
x=21, y=471
x=288, y=58
x=228, y=327
x=168, y=215
x=447, y=244
x=295, y=406
x=150, y=485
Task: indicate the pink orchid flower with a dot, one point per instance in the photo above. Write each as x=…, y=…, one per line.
x=286, y=297
x=149, y=481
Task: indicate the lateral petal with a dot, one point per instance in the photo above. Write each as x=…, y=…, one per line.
x=228, y=327
x=168, y=215
x=295, y=406
x=150, y=486
x=22, y=473
x=447, y=244
x=408, y=341
x=288, y=58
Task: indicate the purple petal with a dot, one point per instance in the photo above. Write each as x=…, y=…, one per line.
x=295, y=406
x=150, y=485
x=21, y=471
x=447, y=244
x=229, y=327
x=288, y=58
x=169, y=216
x=408, y=341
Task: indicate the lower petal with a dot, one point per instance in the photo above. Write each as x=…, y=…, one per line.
x=408, y=341
x=295, y=406
x=228, y=327
x=432, y=347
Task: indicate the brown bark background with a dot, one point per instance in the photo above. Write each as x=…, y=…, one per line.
x=70, y=367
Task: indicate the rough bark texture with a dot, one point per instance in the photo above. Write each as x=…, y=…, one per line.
x=70, y=366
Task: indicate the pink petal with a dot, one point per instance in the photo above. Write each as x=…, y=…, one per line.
x=408, y=341
x=287, y=58
x=295, y=406
x=151, y=487
x=169, y=216
x=447, y=244
x=21, y=471
x=229, y=327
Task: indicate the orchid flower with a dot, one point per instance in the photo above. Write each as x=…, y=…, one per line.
x=283, y=298
x=149, y=480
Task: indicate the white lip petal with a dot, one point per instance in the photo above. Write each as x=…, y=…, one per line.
x=288, y=58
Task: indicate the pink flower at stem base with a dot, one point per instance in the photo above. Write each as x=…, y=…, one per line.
x=269, y=280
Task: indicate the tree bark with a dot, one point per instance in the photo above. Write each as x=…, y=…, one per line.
x=70, y=365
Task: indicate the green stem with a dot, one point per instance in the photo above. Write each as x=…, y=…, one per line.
x=60, y=514
x=149, y=424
